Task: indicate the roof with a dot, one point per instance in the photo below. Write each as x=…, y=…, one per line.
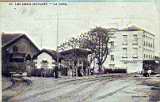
x=7, y=38
x=75, y=50
x=10, y=38
x=52, y=53
x=74, y=53
x=132, y=28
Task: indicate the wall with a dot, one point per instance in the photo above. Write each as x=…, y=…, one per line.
x=48, y=58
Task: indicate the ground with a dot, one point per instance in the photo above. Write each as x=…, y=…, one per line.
x=104, y=88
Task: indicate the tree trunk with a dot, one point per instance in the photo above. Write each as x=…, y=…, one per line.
x=99, y=67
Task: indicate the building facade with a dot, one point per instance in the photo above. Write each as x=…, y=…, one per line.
x=129, y=47
x=45, y=59
x=44, y=63
x=17, y=51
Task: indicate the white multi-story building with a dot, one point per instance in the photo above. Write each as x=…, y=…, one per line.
x=129, y=47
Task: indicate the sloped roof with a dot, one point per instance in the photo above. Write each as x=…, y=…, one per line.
x=52, y=53
x=10, y=38
x=7, y=38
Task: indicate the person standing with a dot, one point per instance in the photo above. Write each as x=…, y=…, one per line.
x=149, y=72
x=56, y=72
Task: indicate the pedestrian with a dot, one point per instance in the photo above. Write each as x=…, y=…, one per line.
x=56, y=71
x=149, y=72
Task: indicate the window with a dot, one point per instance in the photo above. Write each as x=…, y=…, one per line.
x=16, y=60
x=144, y=36
x=15, y=49
x=151, y=45
x=16, y=57
x=124, y=53
x=28, y=57
x=112, y=44
x=135, y=39
x=135, y=52
x=112, y=57
x=125, y=39
x=44, y=64
x=147, y=44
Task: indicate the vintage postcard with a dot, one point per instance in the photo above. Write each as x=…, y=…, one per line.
x=80, y=50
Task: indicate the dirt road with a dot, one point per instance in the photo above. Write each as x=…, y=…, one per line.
x=90, y=89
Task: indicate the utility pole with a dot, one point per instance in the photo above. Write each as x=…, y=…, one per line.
x=41, y=42
x=57, y=64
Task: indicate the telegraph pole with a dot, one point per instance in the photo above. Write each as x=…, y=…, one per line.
x=41, y=41
x=57, y=64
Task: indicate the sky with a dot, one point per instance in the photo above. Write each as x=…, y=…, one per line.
x=39, y=22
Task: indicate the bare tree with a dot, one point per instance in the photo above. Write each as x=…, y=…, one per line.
x=72, y=43
x=97, y=41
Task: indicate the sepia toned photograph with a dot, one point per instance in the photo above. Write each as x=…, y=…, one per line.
x=80, y=50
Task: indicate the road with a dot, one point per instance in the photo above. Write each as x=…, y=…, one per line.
x=89, y=89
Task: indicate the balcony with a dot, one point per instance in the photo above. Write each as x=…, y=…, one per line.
x=134, y=56
x=16, y=57
x=124, y=57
